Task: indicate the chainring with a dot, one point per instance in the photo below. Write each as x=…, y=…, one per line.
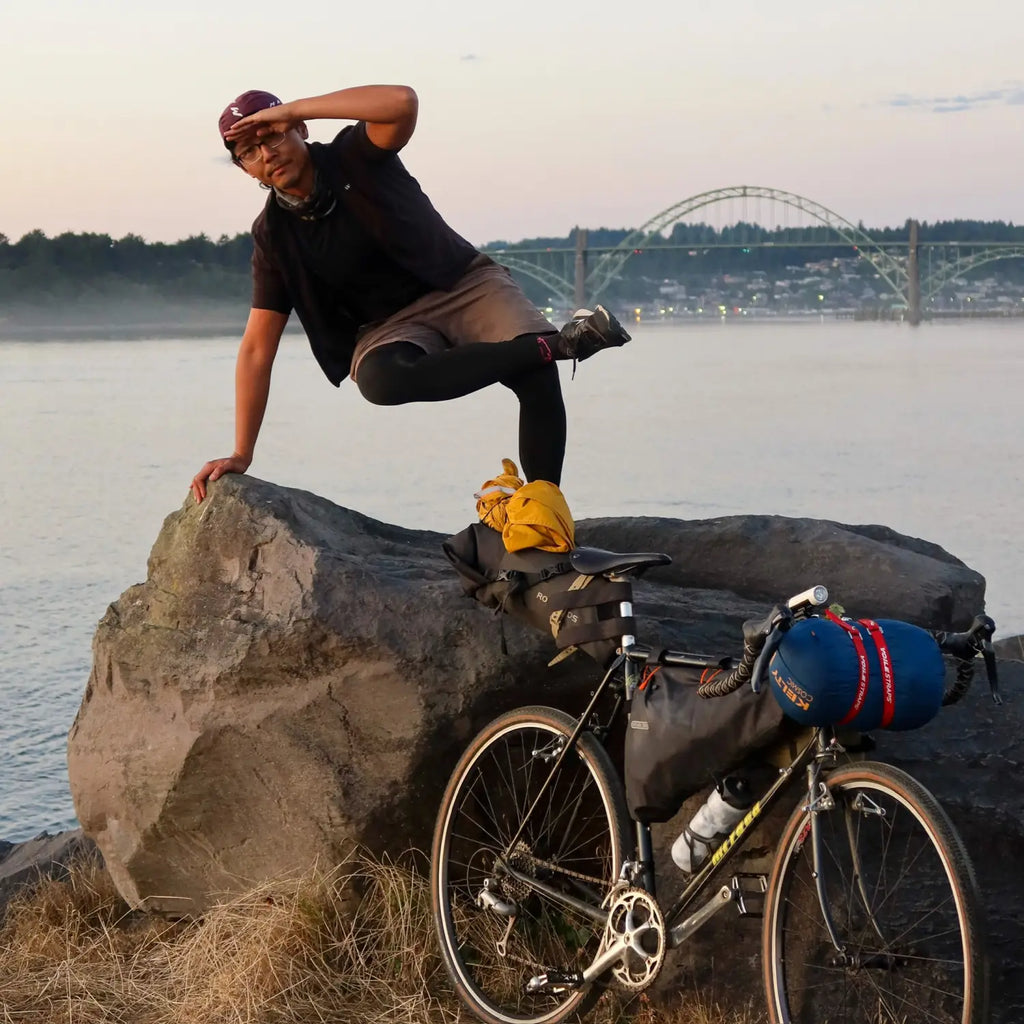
x=636, y=924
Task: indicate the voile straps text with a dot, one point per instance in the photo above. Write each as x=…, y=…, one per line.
x=884, y=661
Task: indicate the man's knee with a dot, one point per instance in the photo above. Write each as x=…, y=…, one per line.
x=538, y=384
x=384, y=374
x=377, y=389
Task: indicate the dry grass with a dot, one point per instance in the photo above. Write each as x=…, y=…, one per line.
x=354, y=945
x=70, y=951
x=695, y=1008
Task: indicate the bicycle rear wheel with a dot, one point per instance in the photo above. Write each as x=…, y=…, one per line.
x=574, y=842
x=904, y=901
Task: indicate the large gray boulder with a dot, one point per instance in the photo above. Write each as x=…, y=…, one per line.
x=295, y=679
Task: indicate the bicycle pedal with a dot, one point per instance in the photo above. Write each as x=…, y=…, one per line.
x=555, y=981
x=749, y=893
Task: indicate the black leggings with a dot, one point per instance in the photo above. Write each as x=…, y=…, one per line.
x=401, y=372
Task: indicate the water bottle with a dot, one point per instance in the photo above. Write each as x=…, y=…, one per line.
x=711, y=825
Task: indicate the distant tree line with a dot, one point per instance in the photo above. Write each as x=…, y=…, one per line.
x=88, y=266
x=740, y=234
x=81, y=267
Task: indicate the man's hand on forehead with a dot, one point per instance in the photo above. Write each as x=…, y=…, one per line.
x=243, y=135
x=261, y=123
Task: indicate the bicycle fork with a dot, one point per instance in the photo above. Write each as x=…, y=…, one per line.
x=820, y=801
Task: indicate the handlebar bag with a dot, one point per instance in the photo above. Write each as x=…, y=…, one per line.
x=865, y=674
x=542, y=590
x=678, y=743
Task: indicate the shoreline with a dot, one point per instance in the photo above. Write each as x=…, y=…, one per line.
x=232, y=326
x=161, y=331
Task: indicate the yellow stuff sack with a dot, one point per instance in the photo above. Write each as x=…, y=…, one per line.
x=492, y=498
x=533, y=515
x=537, y=516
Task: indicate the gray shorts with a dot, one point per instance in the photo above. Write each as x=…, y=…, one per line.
x=485, y=304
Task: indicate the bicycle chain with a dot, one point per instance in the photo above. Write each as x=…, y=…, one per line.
x=526, y=854
x=526, y=858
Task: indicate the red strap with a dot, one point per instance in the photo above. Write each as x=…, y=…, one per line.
x=649, y=674
x=888, y=683
x=709, y=674
x=862, y=665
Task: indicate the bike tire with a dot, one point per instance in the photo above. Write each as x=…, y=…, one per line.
x=904, y=900
x=581, y=825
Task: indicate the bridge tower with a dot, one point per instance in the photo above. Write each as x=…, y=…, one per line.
x=913, y=277
x=580, y=290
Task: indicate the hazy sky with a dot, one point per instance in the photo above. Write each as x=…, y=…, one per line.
x=534, y=116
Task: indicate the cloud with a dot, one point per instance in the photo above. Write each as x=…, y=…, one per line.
x=1010, y=95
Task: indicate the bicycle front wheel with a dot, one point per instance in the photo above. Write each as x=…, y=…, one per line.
x=499, y=932
x=902, y=897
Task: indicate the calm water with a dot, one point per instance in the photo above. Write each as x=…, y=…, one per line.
x=862, y=423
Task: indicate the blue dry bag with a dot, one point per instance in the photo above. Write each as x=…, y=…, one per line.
x=865, y=675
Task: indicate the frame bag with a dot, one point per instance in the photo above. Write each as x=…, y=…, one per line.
x=678, y=743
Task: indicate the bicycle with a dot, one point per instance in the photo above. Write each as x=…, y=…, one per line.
x=544, y=891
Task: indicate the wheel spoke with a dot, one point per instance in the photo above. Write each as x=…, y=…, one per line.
x=577, y=828
x=902, y=899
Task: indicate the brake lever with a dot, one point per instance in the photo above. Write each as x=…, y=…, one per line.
x=989, y=656
x=771, y=645
x=981, y=632
x=781, y=619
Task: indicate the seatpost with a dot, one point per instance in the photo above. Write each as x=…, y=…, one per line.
x=627, y=641
x=625, y=612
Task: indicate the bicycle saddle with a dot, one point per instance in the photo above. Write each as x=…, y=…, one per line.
x=595, y=562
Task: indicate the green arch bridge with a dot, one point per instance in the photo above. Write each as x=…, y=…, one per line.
x=595, y=269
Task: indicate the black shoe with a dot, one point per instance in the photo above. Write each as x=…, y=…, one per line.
x=589, y=332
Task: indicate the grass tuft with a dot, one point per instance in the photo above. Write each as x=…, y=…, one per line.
x=333, y=947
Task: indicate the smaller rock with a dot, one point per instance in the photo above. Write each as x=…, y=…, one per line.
x=45, y=856
x=1010, y=648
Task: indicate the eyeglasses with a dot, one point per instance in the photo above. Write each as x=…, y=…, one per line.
x=251, y=154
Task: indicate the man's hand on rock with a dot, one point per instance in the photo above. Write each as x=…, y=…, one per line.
x=214, y=469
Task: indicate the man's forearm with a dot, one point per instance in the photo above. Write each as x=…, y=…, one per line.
x=252, y=388
x=378, y=104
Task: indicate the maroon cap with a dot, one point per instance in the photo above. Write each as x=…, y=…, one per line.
x=246, y=104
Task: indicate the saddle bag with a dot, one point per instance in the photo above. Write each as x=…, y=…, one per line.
x=541, y=589
x=865, y=675
x=678, y=743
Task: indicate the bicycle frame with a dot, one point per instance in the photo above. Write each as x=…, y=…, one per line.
x=818, y=752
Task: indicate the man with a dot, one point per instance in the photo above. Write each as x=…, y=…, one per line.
x=386, y=291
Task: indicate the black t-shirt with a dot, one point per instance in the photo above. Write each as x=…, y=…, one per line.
x=367, y=283
x=340, y=252
x=381, y=248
